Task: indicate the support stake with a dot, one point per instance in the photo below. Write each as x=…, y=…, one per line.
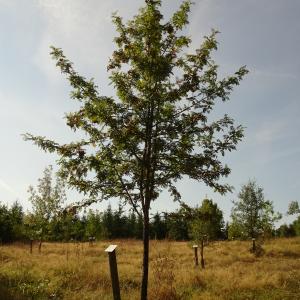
x=253, y=245
x=196, y=255
x=111, y=250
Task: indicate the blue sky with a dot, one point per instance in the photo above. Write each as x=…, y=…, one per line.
x=262, y=34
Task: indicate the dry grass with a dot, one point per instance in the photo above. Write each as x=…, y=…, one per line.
x=77, y=271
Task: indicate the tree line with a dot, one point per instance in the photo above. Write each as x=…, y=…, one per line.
x=252, y=216
x=17, y=225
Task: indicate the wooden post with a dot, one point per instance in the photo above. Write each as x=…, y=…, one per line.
x=196, y=254
x=114, y=271
x=253, y=245
x=40, y=246
x=202, y=259
x=31, y=244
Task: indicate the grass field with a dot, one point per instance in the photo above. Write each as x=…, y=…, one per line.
x=78, y=271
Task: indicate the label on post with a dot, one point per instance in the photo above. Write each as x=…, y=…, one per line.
x=110, y=248
x=195, y=246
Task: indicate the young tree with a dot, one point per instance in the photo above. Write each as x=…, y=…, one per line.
x=207, y=221
x=252, y=215
x=158, y=129
x=46, y=199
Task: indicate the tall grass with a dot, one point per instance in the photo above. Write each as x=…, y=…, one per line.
x=78, y=271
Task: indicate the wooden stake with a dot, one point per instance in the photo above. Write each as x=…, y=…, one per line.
x=40, y=246
x=114, y=271
x=196, y=254
x=253, y=245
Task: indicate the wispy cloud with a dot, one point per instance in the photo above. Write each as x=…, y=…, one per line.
x=75, y=27
x=269, y=132
x=273, y=74
x=7, y=187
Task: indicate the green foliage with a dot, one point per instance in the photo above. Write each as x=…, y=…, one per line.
x=183, y=224
x=46, y=200
x=296, y=226
x=178, y=223
x=158, y=129
x=94, y=227
x=252, y=215
x=11, y=221
x=236, y=230
x=17, y=216
x=207, y=222
x=158, y=227
x=195, y=223
x=293, y=208
x=286, y=230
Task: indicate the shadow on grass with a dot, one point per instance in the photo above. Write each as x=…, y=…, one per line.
x=284, y=253
x=6, y=294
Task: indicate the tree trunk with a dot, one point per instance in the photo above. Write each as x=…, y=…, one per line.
x=144, y=287
x=202, y=258
x=40, y=246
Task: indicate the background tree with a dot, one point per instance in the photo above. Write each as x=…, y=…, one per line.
x=16, y=221
x=252, y=215
x=158, y=227
x=5, y=224
x=158, y=129
x=46, y=199
x=293, y=208
x=11, y=223
x=108, y=222
x=296, y=226
x=207, y=222
x=178, y=222
x=94, y=227
x=286, y=230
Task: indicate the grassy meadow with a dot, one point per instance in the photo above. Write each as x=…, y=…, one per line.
x=79, y=271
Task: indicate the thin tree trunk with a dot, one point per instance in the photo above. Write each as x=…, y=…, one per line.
x=144, y=287
x=201, y=252
x=40, y=246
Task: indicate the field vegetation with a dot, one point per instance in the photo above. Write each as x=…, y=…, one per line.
x=80, y=271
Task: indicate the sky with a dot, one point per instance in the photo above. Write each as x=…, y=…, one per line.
x=34, y=96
